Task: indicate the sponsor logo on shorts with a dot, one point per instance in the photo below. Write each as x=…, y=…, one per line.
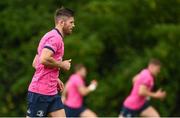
x=129, y=115
x=40, y=113
x=29, y=111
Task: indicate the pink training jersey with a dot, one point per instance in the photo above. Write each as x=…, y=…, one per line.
x=45, y=79
x=74, y=98
x=134, y=101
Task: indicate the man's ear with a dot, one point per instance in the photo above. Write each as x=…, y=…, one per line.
x=61, y=22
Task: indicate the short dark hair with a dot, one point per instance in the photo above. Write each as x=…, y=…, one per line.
x=155, y=62
x=61, y=12
x=77, y=67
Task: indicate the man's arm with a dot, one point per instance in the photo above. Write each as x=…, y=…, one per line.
x=143, y=91
x=83, y=90
x=64, y=93
x=47, y=60
x=34, y=61
x=135, y=78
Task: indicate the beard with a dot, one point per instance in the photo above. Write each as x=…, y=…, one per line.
x=67, y=31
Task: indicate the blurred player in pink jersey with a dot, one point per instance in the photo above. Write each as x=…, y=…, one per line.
x=137, y=103
x=74, y=92
x=43, y=99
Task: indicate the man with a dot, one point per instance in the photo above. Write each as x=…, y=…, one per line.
x=43, y=98
x=74, y=92
x=137, y=102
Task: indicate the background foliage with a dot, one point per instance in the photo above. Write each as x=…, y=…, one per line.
x=113, y=38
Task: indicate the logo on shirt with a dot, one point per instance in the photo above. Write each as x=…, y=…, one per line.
x=40, y=113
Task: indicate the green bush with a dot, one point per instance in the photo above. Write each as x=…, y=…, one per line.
x=114, y=39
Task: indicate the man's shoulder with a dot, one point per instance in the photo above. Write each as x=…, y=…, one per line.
x=75, y=78
x=145, y=74
x=50, y=34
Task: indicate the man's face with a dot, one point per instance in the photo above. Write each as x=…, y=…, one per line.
x=68, y=25
x=155, y=69
x=83, y=72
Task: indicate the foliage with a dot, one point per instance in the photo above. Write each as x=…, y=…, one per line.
x=114, y=39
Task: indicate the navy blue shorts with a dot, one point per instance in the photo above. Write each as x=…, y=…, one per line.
x=74, y=112
x=41, y=105
x=126, y=112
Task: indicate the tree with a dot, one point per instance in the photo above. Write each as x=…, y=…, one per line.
x=114, y=39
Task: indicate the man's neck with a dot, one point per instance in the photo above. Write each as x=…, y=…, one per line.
x=60, y=30
x=150, y=71
x=79, y=75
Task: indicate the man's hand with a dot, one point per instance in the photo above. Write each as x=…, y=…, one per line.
x=60, y=85
x=93, y=85
x=66, y=65
x=160, y=94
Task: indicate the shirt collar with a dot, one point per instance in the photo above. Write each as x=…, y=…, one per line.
x=59, y=32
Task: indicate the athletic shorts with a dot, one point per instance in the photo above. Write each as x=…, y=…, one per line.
x=126, y=112
x=73, y=112
x=41, y=105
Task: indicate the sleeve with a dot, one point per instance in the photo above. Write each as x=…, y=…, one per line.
x=144, y=80
x=52, y=44
x=78, y=82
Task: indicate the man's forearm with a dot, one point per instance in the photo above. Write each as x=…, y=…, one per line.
x=63, y=98
x=87, y=91
x=149, y=94
x=51, y=62
x=84, y=91
x=144, y=91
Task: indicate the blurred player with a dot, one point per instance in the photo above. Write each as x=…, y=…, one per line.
x=137, y=103
x=43, y=98
x=74, y=92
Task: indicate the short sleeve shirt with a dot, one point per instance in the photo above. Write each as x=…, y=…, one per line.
x=45, y=79
x=74, y=98
x=134, y=100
